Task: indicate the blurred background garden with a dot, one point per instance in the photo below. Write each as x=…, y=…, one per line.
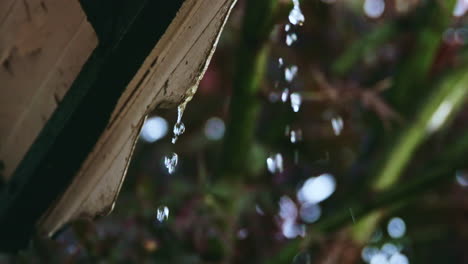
x=324, y=131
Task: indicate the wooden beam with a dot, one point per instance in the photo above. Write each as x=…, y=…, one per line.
x=80, y=158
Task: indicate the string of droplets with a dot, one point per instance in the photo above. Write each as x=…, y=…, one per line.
x=171, y=160
x=288, y=211
x=296, y=18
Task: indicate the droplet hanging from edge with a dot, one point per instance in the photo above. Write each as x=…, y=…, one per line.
x=162, y=214
x=171, y=162
x=296, y=101
x=179, y=127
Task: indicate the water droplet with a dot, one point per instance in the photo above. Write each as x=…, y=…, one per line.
x=396, y=227
x=280, y=62
x=337, y=125
x=374, y=8
x=285, y=95
x=171, y=162
x=290, y=73
x=296, y=101
x=295, y=15
x=271, y=165
x=275, y=163
x=291, y=38
x=162, y=214
x=295, y=136
x=179, y=127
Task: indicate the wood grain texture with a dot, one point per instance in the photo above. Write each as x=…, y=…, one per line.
x=43, y=46
x=169, y=76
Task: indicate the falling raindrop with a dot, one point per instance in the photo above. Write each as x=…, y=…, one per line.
x=280, y=62
x=295, y=15
x=296, y=101
x=275, y=163
x=279, y=162
x=396, y=227
x=290, y=73
x=285, y=95
x=295, y=136
x=171, y=162
x=291, y=38
x=162, y=214
x=271, y=165
x=337, y=125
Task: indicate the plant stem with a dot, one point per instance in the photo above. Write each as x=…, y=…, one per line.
x=244, y=105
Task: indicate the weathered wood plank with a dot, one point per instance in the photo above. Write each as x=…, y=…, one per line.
x=168, y=76
x=43, y=46
x=105, y=105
